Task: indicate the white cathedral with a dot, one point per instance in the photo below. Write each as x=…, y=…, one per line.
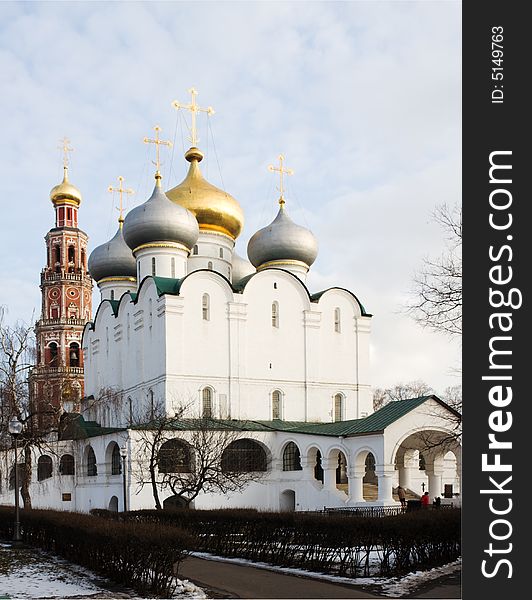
x=186, y=325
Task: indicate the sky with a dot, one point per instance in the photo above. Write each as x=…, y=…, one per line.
x=362, y=98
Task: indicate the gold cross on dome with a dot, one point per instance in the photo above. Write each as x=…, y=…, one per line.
x=65, y=147
x=282, y=171
x=157, y=143
x=193, y=108
x=121, y=191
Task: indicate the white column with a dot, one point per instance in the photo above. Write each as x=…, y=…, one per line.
x=434, y=476
x=355, y=485
x=385, y=474
x=329, y=472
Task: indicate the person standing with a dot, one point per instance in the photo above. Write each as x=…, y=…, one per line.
x=425, y=500
x=402, y=496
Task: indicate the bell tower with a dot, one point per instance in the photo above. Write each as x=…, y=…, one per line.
x=56, y=381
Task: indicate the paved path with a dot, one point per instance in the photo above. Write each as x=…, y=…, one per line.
x=448, y=586
x=227, y=580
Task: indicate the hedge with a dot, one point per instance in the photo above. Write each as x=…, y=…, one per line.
x=350, y=546
x=142, y=556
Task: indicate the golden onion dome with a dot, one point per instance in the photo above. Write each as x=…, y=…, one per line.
x=214, y=209
x=65, y=192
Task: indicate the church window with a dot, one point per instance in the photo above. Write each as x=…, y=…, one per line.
x=221, y=252
x=92, y=467
x=276, y=404
x=153, y=266
x=291, y=458
x=337, y=320
x=318, y=469
x=130, y=402
x=206, y=403
x=44, y=468
x=71, y=254
x=61, y=216
x=112, y=294
x=66, y=465
x=174, y=457
x=275, y=314
x=69, y=214
x=54, y=311
x=116, y=461
x=151, y=400
x=338, y=407
x=275, y=285
x=244, y=456
x=195, y=250
x=172, y=267
x=83, y=259
x=73, y=354
x=58, y=254
x=54, y=355
x=209, y=266
x=205, y=307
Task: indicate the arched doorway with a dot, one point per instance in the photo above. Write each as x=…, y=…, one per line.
x=174, y=502
x=113, y=504
x=287, y=501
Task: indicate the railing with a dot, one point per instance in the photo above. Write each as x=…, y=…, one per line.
x=57, y=371
x=52, y=276
x=65, y=321
x=379, y=511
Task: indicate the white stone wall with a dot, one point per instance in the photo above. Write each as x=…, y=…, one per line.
x=165, y=346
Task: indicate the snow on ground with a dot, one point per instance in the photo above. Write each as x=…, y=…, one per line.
x=30, y=574
x=393, y=587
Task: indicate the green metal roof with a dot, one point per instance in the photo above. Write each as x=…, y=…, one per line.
x=375, y=423
x=167, y=285
x=75, y=427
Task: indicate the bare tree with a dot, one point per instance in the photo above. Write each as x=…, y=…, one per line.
x=189, y=456
x=16, y=360
x=437, y=289
x=400, y=391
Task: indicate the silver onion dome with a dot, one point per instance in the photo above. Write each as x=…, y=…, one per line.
x=160, y=220
x=282, y=240
x=112, y=259
x=241, y=268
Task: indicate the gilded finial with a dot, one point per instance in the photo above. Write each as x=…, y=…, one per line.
x=157, y=143
x=194, y=109
x=66, y=148
x=282, y=171
x=121, y=191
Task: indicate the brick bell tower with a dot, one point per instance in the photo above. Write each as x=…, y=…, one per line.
x=56, y=382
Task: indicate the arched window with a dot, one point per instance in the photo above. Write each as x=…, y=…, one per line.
x=151, y=402
x=172, y=267
x=275, y=314
x=370, y=476
x=318, y=469
x=71, y=254
x=58, y=254
x=195, y=250
x=291, y=458
x=209, y=266
x=276, y=404
x=244, y=456
x=206, y=403
x=92, y=467
x=44, y=468
x=112, y=294
x=205, y=307
x=83, y=259
x=221, y=252
x=73, y=354
x=337, y=320
x=174, y=457
x=153, y=267
x=116, y=461
x=338, y=407
x=66, y=465
x=54, y=355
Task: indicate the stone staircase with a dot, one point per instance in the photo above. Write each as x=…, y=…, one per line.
x=371, y=492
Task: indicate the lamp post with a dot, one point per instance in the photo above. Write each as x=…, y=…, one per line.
x=123, y=454
x=15, y=429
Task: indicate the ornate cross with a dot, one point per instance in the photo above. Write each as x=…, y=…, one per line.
x=157, y=143
x=193, y=108
x=121, y=191
x=65, y=147
x=282, y=171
